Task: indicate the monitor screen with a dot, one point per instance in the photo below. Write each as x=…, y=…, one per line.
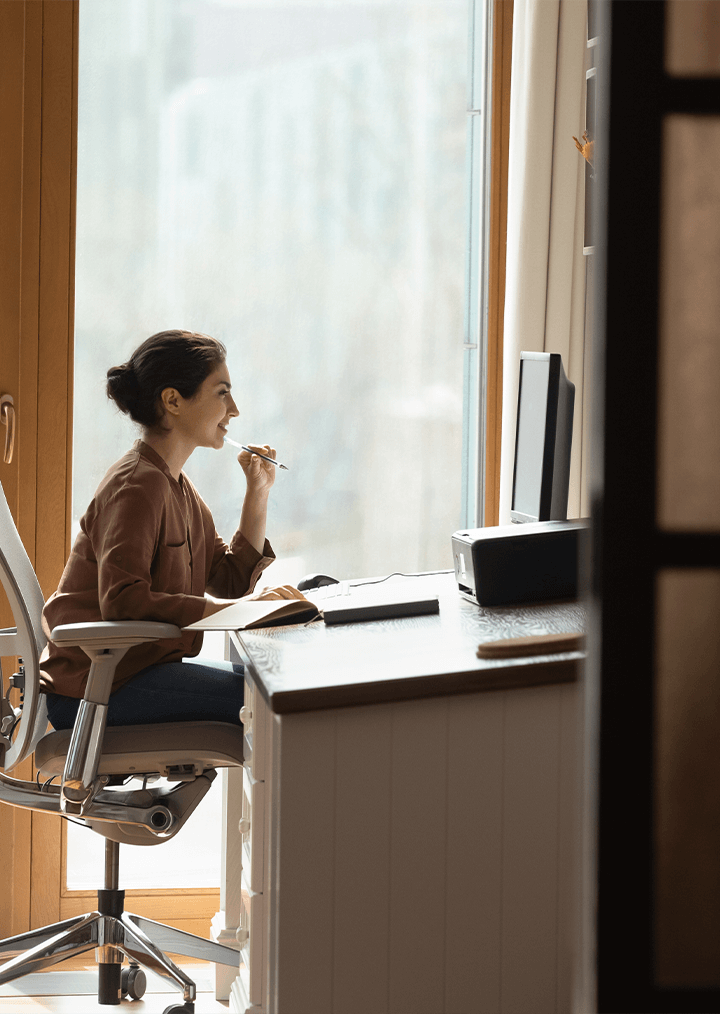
x=543, y=440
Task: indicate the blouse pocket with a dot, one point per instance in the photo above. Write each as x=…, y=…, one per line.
x=170, y=571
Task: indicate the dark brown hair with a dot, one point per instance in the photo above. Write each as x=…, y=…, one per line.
x=179, y=359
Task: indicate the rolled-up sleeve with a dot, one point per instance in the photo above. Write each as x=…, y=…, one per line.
x=236, y=569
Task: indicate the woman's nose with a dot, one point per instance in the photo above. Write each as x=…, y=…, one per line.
x=233, y=411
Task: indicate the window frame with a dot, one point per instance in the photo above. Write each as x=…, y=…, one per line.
x=488, y=133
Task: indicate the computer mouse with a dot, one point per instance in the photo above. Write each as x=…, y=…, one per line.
x=315, y=581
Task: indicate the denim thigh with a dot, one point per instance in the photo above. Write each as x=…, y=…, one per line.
x=186, y=691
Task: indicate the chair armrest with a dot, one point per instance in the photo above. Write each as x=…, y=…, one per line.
x=104, y=642
x=113, y=633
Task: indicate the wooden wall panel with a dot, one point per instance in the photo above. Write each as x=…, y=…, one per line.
x=56, y=301
x=424, y=856
x=418, y=846
x=687, y=805
x=38, y=76
x=362, y=835
x=26, y=333
x=531, y=781
x=14, y=823
x=474, y=894
x=301, y=858
x=54, y=368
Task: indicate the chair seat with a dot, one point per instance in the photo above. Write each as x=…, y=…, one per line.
x=145, y=749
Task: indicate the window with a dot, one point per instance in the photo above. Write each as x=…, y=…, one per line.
x=289, y=177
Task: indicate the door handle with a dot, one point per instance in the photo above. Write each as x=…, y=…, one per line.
x=7, y=418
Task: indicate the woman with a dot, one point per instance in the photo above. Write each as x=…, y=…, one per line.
x=148, y=549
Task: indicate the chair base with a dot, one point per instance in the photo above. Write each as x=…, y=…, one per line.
x=115, y=933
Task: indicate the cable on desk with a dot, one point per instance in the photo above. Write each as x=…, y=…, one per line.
x=397, y=573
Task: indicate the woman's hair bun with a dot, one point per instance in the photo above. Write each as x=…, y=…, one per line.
x=123, y=386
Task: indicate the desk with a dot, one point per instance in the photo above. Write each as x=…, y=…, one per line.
x=409, y=836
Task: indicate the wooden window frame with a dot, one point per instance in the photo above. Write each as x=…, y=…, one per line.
x=499, y=158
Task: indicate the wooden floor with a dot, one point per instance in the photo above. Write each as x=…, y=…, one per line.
x=75, y=992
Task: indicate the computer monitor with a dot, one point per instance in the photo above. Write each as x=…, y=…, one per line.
x=541, y=473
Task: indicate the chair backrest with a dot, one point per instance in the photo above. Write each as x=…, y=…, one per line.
x=25, y=639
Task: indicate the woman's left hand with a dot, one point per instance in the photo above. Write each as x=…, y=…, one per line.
x=259, y=474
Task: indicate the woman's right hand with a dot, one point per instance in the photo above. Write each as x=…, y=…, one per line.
x=259, y=474
x=283, y=591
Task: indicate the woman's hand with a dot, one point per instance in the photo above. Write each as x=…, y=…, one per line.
x=259, y=474
x=214, y=605
x=283, y=591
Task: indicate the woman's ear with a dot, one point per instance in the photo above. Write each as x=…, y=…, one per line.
x=170, y=400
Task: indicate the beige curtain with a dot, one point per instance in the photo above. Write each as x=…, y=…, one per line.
x=546, y=269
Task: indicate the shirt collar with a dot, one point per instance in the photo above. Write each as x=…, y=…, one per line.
x=152, y=455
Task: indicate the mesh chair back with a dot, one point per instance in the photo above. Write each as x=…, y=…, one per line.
x=25, y=639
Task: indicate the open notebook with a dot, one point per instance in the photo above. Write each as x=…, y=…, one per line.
x=335, y=604
x=248, y=614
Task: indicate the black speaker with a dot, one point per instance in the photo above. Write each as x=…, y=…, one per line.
x=513, y=564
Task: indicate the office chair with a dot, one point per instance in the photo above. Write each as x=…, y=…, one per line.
x=98, y=769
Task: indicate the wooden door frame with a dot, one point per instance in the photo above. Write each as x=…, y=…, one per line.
x=38, y=120
x=37, y=192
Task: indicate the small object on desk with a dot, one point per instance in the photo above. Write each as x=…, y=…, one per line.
x=312, y=581
x=512, y=564
x=265, y=457
x=361, y=606
x=249, y=614
x=536, y=644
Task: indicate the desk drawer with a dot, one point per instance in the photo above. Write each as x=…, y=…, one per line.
x=255, y=716
x=252, y=829
x=246, y=717
x=251, y=936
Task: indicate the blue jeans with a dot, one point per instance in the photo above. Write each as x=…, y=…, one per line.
x=184, y=691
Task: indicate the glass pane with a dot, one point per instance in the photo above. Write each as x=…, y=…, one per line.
x=287, y=176
x=692, y=33
x=191, y=859
x=687, y=828
x=689, y=406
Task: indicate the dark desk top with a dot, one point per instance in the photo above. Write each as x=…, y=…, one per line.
x=304, y=668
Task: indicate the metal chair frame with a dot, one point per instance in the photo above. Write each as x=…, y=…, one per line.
x=95, y=766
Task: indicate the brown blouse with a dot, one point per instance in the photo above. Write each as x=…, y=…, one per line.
x=147, y=550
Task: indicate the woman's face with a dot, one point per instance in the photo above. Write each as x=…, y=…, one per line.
x=204, y=417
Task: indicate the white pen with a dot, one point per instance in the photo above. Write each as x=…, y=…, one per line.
x=265, y=457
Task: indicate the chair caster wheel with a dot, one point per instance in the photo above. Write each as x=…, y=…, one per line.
x=180, y=1008
x=133, y=982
